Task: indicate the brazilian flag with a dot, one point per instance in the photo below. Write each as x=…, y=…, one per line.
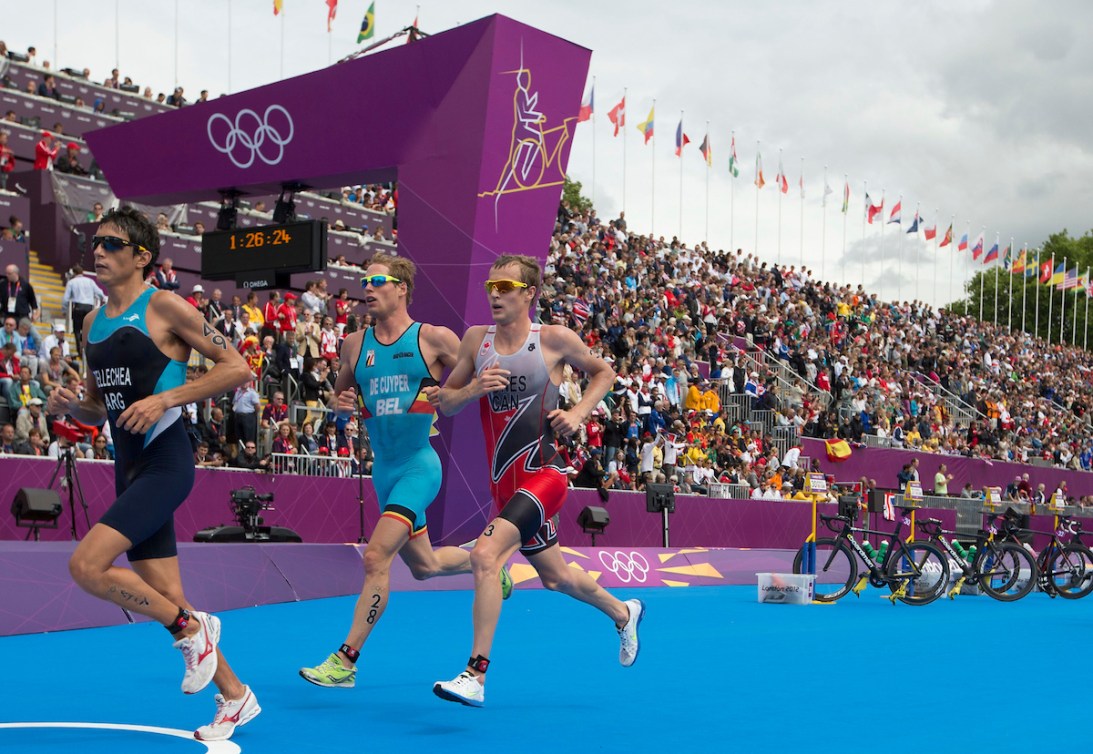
x=368, y=25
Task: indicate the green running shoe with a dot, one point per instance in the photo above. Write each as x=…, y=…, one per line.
x=506, y=583
x=332, y=674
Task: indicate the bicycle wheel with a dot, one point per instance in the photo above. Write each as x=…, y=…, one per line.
x=1071, y=571
x=1006, y=571
x=836, y=569
x=923, y=568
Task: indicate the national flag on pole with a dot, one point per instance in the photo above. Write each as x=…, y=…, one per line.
x=277, y=4
x=977, y=249
x=872, y=210
x=827, y=191
x=801, y=184
x=914, y=225
x=586, y=107
x=948, y=239
x=682, y=139
x=1019, y=263
x=846, y=196
x=646, y=126
x=963, y=244
x=1070, y=280
x=1045, y=273
x=759, y=180
x=931, y=232
x=1059, y=275
x=707, y=152
x=368, y=25
x=332, y=8
x=895, y=216
x=734, y=164
x=1083, y=282
x=992, y=254
x=780, y=179
x=1007, y=259
x=617, y=115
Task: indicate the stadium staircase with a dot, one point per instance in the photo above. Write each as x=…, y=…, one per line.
x=961, y=413
x=49, y=286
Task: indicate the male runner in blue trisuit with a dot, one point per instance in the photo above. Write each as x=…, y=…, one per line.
x=137, y=348
x=392, y=363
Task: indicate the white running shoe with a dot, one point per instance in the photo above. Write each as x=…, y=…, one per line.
x=230, y=714
x=464, y=688
x=628, y=634
x=199, y=652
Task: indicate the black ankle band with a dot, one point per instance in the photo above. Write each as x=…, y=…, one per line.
x=348, y=651
x=180, y=622
x=480, y=663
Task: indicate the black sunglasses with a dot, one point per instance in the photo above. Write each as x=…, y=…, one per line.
x=113, y=243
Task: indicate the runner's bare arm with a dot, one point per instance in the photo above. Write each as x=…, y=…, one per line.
x=89, y=410
x=463, y=385
x=573, y=351
x=185, y=322
x=443, y=345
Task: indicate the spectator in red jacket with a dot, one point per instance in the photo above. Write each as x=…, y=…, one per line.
x=46, y=151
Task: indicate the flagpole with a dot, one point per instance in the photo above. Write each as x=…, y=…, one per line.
x=846, y=214
x=865, y=193
x=732, y=195
x=1074, y=324
x=918, y=267
x=1039, y=285
x=1024, y=290
x=592, y=101
x=934, y=257
x=952, y=259
x=1009, y=308
x=1062, y=307
x=996, y=266
x=282, y=76
x=706, y=239
x=117, y=35
x=624, y=150
x=1085, y=317
x=882, y=224
x=229, y=44
x=1051, y=296
x=982, y=277
x=783, y=177
x=898, y=252
x=176, y=42
x=681, y=176
x=823, y=228
x=758, y=167
x=801, y=185
x=653, y=198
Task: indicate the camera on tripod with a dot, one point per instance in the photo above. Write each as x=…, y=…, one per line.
x=246, y=505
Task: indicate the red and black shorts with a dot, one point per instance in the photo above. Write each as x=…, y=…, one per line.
x=532, y=504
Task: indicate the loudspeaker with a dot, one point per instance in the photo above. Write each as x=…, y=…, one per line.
x=593, y=518
x=660, y=497
x=239, y=534
x=875, y=501
x=36, y=505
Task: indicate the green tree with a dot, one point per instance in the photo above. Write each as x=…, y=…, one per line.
x=1050, y=318
x=571, y=193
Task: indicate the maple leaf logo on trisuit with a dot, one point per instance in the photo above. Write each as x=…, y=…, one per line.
x=517, y=438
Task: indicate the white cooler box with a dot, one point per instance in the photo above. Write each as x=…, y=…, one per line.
x=786, y=588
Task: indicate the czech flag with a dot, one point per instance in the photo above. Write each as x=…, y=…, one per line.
x=586, y=107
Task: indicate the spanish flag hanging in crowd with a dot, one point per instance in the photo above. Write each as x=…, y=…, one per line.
x=837, y=450
x=368, y=25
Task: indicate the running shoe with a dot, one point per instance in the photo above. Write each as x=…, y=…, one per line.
x=506, y=583
x=464, y=688
x=199, y=653
x=332, y=673
x=628, y=634
x=230, y=714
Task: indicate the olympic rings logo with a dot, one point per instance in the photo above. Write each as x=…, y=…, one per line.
x=628, y=566
x=250, y=136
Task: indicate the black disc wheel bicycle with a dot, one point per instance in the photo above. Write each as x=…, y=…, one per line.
x=1071, y=571
x=836, y=569
x=918, y=573
x=1006, y=571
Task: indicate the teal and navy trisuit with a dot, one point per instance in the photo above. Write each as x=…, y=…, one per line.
x=400, y=420
x=153, y=472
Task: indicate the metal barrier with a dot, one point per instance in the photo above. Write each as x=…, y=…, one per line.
x=305, y=465
x=299, y=412
x=876, y=441
x=959, y=411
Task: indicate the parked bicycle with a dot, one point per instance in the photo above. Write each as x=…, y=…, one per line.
x=1004, y=570
x=1065, y=568
x=915, y=572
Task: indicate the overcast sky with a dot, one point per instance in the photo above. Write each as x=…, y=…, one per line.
x=978, y=109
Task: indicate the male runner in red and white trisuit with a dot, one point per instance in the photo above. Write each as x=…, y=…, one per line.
x=514, y=367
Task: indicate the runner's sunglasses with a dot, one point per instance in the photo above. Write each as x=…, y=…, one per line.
x=378, y=281
x=113, y=243
x=504, y=286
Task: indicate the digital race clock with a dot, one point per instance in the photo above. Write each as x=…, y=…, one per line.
x=274, y=250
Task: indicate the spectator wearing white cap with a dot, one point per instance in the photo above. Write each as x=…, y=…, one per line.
x=55, y=339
